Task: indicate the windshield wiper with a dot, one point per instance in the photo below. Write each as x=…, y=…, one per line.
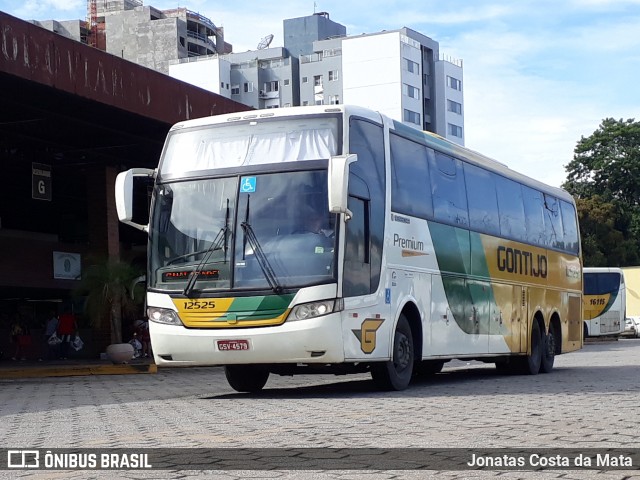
x=263, y=261
x=193, y=254
x=220, y=242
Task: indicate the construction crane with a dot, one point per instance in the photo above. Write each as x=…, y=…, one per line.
x=92, y=13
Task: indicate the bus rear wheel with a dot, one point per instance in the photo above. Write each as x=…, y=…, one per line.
x=396, y=373
x=530, y=364
x=549, y=350
x=246, y=378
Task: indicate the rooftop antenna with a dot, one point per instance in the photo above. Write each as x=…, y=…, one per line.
x=265, y=42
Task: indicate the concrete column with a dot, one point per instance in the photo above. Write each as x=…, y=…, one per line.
x=103, y=218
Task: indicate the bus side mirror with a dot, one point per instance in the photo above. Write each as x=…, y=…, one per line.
x=338, y=187
x=124, y=195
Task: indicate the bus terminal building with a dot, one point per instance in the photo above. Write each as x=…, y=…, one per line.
x=71, y=118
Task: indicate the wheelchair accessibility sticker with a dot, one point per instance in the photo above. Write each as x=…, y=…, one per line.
x=248, y=185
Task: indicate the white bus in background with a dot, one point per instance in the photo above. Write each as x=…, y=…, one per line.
x=429, y=251
x=604, y=301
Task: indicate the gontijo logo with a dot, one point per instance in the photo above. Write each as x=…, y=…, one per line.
x=521, y=262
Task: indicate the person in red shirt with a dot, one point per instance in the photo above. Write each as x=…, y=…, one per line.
x=66, y=328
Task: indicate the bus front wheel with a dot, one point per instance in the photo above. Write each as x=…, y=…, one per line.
x=246, y=378
x=396, y=373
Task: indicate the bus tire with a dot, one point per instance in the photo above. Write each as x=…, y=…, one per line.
x=246, y=378
x=548, y=350
x=396, y=373
x=530, y=364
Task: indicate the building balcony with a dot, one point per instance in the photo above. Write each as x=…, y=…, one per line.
x=268, y=95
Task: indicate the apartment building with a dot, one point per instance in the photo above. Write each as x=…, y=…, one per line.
x=144, y=34
x=399, y=73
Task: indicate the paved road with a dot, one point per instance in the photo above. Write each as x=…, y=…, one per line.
x=591, y=399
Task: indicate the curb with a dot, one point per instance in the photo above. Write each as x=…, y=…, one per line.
x=76, y=370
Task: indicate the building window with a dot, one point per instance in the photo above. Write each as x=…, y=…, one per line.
x=271, y=106
x=286, y=82
x=411, y=117
x=410, y=66
x=235, y=89
x=454, y=107
x=317, y=80
x=271, y=86
x=410, y=91
x=305, y=79
x=454, y=130
x=305, y=103
x=319, y=102
x=333, y=75
x=334, y=99
x=287, y=105
x=454, y=83
x=227, y=86
x=248, y=87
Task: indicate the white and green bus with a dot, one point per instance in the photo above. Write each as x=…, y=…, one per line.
x=605, y=301
x=428, y=252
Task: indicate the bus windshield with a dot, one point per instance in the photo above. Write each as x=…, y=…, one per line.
x=249, y=143
x=270, y=230
x=601, y=283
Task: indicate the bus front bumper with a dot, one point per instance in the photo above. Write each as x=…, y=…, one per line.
x=316, y=340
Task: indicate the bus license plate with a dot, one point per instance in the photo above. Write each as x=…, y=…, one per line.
x=231, y=345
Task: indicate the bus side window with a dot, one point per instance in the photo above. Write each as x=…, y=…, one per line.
x=533, y=202
x=553, y=222
x=357, y=267
x=570, y=227
x=511, y=209
x=482, y=200
x=410, y=177
x=448, y=190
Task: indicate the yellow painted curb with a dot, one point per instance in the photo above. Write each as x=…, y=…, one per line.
x=76, y=370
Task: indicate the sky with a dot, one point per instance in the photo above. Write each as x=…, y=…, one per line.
x=538, y=75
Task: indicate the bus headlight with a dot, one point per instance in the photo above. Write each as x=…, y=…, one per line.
x=315, y=309
x=163, y=315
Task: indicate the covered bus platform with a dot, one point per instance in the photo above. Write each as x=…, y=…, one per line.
x=71, y=118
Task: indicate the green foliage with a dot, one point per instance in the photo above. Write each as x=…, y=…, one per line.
x=603, y=177
x=109, y=291
x=604, y=243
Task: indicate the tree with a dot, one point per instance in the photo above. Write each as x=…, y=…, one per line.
x=603, y=243
x=603, y=177
x=108, y=287
x=607, y=163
